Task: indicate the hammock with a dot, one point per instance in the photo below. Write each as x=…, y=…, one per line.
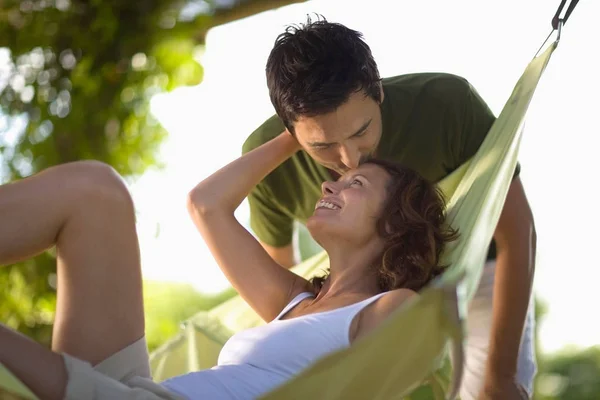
x=407, y=356
x=403, y=352
x=410, y=349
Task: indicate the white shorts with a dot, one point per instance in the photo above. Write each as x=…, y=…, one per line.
x=479, y=321
x=123, y=376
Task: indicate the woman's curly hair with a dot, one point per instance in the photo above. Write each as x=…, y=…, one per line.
x=412, y=223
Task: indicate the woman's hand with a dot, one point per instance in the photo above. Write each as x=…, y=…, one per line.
x=287, y=136
x=225, y=189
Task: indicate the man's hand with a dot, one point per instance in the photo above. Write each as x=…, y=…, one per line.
x=503, y=389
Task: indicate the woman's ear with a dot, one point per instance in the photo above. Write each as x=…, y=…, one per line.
x=388, y=228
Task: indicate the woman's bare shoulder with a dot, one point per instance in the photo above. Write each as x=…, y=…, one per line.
x=389, y=302
x=377, y=312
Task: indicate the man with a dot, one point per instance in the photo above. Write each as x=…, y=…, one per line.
x=326, y=91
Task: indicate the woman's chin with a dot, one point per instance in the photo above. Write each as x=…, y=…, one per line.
x=320, y=224
x=321, y=217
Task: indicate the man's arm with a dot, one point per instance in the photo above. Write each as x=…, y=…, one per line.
x=283, y=256
x=514, y=239
x=516, y=244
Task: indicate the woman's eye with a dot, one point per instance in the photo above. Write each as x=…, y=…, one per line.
x=356, y=182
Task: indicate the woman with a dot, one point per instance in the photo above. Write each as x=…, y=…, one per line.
x=381, y=225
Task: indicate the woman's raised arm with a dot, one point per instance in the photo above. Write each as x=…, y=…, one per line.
x=264, y=284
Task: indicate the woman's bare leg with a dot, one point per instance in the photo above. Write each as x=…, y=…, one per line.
x=84, y=209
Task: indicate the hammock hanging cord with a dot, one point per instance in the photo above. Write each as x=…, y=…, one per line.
x=558, y=22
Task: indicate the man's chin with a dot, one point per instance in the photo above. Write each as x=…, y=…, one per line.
x=335, y=173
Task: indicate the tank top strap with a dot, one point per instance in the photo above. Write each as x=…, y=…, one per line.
x=294, y=303
x=358, y=307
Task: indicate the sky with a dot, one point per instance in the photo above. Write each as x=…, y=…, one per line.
x=487, y=42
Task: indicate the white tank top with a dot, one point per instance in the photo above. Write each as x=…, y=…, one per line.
x=257, y=360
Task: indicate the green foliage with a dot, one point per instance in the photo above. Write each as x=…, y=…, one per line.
x=76, y=79
x=27, y=299
x=570, y=375
x=167, y=305
x=83, y=74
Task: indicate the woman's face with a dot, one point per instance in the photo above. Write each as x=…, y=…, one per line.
x=350, y=207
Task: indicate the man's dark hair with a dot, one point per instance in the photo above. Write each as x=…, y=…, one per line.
x=314, y=67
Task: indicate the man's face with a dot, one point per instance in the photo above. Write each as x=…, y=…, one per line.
x=341, y=139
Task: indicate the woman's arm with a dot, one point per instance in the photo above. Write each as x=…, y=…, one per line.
x=263, y=283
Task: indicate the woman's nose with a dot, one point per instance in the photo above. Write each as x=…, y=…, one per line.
x=328, y=187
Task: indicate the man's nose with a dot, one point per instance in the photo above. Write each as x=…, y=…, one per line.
x=350, y=156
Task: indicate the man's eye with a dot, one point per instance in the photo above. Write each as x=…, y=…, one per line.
x=356, y=182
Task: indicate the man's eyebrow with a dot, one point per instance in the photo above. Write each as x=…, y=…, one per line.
x=358, y=132
x=362, y=128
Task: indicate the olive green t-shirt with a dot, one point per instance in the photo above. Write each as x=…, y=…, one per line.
x=432, y=123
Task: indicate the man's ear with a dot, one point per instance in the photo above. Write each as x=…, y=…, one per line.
x=382, y=94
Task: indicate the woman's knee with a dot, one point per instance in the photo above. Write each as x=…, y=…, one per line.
x=97, y=184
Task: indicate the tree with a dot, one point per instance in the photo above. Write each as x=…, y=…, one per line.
x=76, y=78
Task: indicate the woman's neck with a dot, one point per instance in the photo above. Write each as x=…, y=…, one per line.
x=350, y=272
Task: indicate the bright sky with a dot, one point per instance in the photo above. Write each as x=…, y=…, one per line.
x=489, y=43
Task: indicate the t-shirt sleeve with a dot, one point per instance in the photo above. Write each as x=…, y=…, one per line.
x=477, y=119
x=269, y=222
